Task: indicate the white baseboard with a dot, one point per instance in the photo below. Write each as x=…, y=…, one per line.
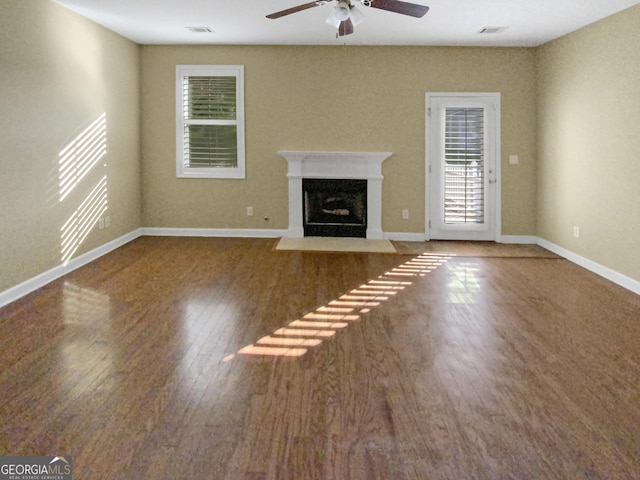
x=257, y=233
x=214, y=232
x=404, y=236
x=616, y=277
x=421, y=237
x=518, y=239
x=28, y=286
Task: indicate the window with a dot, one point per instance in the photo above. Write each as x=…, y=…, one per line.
x=210, y=121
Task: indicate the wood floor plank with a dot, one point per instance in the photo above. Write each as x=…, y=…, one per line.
x=224, y=359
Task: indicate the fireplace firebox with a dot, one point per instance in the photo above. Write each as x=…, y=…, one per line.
x=334, y=207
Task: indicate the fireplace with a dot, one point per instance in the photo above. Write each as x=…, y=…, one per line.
x=334, y=207
x=365, y=166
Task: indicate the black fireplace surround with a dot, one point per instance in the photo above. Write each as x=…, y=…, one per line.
x=334, y=207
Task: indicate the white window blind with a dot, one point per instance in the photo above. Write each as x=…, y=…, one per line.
x=210, y=122
x=464, y=190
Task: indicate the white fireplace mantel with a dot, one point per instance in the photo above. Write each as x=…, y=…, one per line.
x=346, y=165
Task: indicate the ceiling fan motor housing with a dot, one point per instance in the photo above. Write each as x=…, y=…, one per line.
x=342, y=10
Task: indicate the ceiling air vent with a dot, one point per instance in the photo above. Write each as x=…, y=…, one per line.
x=199, y=29
x=492, y=30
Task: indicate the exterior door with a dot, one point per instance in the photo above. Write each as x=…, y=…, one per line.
x=462, y=168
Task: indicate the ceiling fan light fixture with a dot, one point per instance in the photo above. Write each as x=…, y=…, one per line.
x=333, y=20
x=356, y=16
x=339, y=14
x=344, y=17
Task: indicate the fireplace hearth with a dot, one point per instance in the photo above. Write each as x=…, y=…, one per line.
x=334, y=207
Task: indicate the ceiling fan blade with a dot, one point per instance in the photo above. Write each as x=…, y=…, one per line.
x=291, y=10
x=397, y=6
x=345, y=28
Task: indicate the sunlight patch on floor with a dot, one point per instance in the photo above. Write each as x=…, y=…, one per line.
x=300, y=335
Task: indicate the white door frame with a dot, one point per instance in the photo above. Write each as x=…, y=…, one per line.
x=432, y=153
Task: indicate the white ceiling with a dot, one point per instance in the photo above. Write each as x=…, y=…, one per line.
x=448, y=22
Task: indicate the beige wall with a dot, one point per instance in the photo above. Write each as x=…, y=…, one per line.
x=589, y=142
x=59, y=73
x=333, y=98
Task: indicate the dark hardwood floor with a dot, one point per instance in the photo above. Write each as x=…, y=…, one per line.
x=175, y=358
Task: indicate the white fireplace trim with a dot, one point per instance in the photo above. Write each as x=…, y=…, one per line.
x=347, y=165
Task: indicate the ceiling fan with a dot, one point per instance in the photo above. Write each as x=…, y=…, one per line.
x=345, y=15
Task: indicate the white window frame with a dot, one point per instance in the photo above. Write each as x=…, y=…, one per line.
x=185, y=171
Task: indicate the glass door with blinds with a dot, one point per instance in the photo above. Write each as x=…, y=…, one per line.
x=462, y=147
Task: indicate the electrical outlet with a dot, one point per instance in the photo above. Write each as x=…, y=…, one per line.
x=249, y=211
x=576, y=232
x=107, y=221
x=405, y=214
x=100, y=223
